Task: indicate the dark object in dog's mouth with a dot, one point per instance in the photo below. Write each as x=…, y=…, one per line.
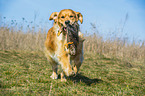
x=72, y=36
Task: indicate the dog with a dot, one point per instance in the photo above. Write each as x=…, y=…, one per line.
x=64, y=43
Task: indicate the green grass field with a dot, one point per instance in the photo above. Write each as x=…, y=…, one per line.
x=28, y=73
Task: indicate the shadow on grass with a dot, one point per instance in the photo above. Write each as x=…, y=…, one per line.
x=80, y=78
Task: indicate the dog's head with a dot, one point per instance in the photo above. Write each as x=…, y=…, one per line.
x=66, y=16
x=67, y=20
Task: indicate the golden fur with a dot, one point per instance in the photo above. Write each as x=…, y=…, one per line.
x=55, y=44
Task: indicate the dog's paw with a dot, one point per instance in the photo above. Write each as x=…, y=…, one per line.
x=69, y=72
x=63, y=79
x=54, y=76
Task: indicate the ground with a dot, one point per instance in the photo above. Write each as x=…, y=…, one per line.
x=28, y=73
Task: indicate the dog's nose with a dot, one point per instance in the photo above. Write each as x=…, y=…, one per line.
x=67, y=22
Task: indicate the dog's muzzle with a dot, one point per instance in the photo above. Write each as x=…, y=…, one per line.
x=67, y=22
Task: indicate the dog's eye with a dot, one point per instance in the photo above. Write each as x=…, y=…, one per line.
x=71, y=16
x=62, y=16
x=55, y=15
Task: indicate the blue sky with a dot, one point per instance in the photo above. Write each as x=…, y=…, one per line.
x=108, y=15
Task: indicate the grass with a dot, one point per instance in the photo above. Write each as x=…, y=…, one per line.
x=28, y=73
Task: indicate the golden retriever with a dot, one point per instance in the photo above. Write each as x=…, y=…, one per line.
x=60, y=50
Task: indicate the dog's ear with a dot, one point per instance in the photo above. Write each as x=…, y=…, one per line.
x=53, y=16
x=80, y=17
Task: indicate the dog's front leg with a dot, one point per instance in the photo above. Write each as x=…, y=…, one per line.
x=66, y=66
x=63, y=79
x=54, y=67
